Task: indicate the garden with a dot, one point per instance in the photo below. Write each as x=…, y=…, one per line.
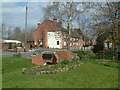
x=79, y=73
x=49, y=68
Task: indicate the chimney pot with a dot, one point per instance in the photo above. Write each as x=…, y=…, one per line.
x=38, y=24
x=55, y=21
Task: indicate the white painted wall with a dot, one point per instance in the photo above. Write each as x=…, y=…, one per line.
x=53, y=37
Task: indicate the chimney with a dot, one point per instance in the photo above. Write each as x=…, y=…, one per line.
x=38, y=24
x=55, y=21
x=60, y=24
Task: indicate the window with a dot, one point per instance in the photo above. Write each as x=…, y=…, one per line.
x=58, y=32
x=76, y=44
x=64, y=35
x=64, y=43
x=57, y=42
x=106, y=45
x=35, y=43
x=40, y=43
x=110, y=45
x=74, y=39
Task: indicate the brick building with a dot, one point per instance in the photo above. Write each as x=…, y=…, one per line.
x=50, y=34
x=41, y=33
x=53, y=57
x=10, y=44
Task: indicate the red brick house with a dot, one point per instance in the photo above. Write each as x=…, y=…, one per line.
x=50, y=34
x=40, y=34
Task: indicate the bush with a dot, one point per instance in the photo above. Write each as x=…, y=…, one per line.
x=105, y=55
x=15, y=46
x=80, y=53
x=97, y=48
x=75, y=59
x=34, y=53
x=64, y=62
x=85, y=54
x=10, y=46
x=17, y=54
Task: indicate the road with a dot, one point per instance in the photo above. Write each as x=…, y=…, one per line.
x=11, y=54
x=26, y=54
x=23, y=54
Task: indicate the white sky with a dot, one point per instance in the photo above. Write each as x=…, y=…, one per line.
x=13, y=13
x=59, y=0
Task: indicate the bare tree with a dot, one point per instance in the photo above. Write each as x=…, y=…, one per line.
x=29, y=35
x=3, y=30
x=106, y=22
x=17, y=33
x=6, y=32
x=67, y=13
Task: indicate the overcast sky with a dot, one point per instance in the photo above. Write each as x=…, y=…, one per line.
x=13, y=13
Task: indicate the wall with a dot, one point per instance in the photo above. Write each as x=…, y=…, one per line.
x=65, y=55
x=58, y=55
x=40, y=34
x=53, y=37
x=38, y=60
x=75, y=42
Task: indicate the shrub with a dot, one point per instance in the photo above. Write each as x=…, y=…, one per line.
x=64, y=61
x=75, y=59
x=17, y=54
x=15, y=46
x=105, y=55
x=34, y=53
x=10, y=46
x=97, y=48
x=84, y=54
x=20, y=45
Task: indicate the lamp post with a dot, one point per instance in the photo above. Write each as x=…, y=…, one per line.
x=25, y=28
x=26, y=23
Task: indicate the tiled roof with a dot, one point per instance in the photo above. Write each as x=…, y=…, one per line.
x=73, y=33
x=76, y=33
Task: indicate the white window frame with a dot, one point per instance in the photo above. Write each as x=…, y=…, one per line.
x=65, y=43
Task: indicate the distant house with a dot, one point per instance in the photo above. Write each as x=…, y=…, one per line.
x=9, y=44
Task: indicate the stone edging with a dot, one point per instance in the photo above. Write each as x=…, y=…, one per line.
x=24, y=71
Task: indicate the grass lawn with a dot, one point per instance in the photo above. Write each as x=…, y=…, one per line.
x=89, y=75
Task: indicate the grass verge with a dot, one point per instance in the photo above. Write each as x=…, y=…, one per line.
x=89, y=75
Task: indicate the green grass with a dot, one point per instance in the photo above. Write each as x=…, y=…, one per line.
x=89, y=75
